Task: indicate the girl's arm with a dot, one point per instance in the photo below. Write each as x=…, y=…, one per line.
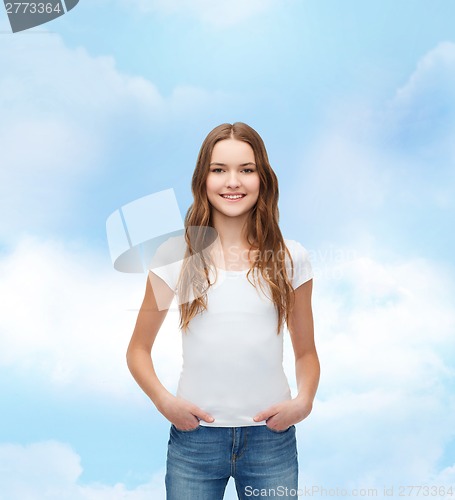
x=139, y=357
x=301, y=329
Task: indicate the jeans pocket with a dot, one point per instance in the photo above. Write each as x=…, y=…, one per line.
x=278, y=432
x=189, y=430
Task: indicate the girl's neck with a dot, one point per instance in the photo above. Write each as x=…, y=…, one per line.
x=231, y=250
x=231, y=231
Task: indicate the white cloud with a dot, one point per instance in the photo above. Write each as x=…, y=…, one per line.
x=420, y=118
x=217, y=14
x=56, y=107
x=385, y=406
x=385, y=166
x=67, y=318
x=446, y=478
x=389, y=322
x=385, y=344
x=432, y=82
x=62, y=112
x=51, y=471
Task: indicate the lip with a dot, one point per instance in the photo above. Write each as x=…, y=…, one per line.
x=233, y=194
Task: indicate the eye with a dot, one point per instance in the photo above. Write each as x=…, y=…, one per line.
x=250, y=170
x=215, y=169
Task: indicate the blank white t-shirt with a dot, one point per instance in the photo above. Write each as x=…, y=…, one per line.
x=232, y=356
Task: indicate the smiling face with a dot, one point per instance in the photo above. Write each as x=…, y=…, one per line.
x=232, y=171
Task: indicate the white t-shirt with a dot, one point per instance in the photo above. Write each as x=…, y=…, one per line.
x=232, y=355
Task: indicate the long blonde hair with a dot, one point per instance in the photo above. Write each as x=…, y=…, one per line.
x=262, y=230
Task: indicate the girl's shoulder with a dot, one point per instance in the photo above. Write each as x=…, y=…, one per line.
x=171, y=249
x=167, y=259
x=303, y=270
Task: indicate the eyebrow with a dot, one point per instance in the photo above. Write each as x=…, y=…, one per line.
x=224, y=164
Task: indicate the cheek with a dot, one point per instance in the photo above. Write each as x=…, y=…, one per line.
x=254, y=184
x=212, y=188
x=209, y=185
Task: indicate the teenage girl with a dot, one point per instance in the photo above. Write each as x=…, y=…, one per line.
x=233, y=414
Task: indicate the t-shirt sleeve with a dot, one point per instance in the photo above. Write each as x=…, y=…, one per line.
x=167, y=262
x=166, y=275
x=303, y=270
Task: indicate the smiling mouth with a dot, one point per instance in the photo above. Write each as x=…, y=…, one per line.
x=232, y=197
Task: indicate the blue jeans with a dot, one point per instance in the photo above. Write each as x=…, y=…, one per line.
x=262, y=461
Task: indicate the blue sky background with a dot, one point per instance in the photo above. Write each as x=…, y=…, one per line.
x=356, y=103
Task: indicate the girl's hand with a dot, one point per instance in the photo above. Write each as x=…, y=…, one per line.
x=281, y=416
x=183, y=414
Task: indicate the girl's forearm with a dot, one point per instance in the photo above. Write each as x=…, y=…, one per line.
x=307, y=370
x=141, y=367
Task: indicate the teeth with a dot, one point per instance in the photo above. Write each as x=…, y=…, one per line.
x=232, y=197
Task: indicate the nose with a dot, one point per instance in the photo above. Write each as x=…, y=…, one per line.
x=233, y=180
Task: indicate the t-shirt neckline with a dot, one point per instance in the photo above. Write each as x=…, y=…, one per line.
x=228, y=271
